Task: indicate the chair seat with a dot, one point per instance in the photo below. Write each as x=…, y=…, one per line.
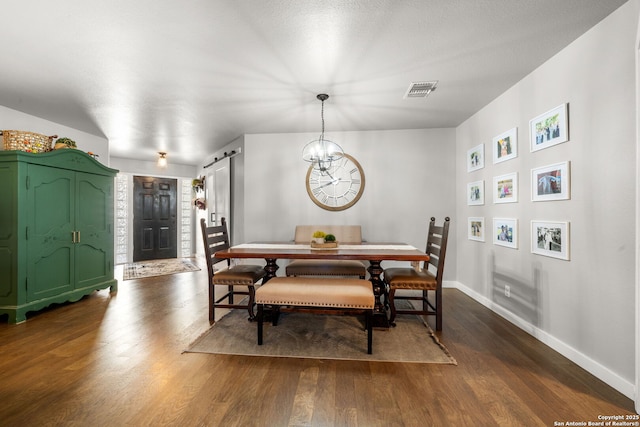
x=315, y=267
x=409, y=278
x=242, y=274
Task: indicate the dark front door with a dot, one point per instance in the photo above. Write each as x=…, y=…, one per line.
x=154, y=218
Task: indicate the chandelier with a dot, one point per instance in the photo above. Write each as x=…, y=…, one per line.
x=322, y=152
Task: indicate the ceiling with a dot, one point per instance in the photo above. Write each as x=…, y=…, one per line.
x=189, y=76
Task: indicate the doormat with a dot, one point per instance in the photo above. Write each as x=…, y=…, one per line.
x=313, y=336
x=158, y=267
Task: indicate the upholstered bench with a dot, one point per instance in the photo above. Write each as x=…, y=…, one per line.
x=316, y=295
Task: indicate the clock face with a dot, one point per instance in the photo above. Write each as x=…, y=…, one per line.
x=337, y=188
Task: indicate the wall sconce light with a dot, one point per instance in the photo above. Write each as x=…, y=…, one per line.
x=162, y=160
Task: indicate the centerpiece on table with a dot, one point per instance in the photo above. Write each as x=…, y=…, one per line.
x=321, y=240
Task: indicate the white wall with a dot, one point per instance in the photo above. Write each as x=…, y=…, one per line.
x=637, y=302
x=584, y=307
x=409, y=178
x=16, y=120
x=151, y=168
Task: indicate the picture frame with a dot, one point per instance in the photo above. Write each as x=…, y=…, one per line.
x=505, y=146
x=475, y=193
x=505, y=232
x=475, y=228
x=550, y=128
x=551, y=239
x=475, y=158
x=505, y=188
x=551, y=182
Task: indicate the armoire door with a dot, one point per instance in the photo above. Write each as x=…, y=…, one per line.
x=50, y=226
x=154, y=218
x=94, y=225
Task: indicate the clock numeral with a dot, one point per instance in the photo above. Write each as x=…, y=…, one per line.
x=355, y=181
x=316, y=191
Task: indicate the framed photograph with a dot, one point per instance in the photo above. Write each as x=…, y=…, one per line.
x=505, y=188
x=475, y=158
x=475, y=229
x=552, y=182
x=550, y=239
x=549, y=129
x=505, y=146
x=475, y=193
x=505, y=232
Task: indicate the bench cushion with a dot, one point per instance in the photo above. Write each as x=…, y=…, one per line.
x=319, y=267
x=317, y=292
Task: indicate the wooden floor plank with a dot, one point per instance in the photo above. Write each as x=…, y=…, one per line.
x=119, y=360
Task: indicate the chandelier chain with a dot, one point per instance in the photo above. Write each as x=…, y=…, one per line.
x=322, y=117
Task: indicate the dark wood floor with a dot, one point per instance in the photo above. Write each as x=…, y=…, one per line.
x=117, y=360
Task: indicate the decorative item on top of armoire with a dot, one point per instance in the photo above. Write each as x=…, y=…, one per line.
x=29, y=142
x=64, y=143
x=56, y=229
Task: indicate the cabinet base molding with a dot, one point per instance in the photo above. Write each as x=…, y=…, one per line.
x=18, y=313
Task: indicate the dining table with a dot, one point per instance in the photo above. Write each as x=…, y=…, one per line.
x=373, y=253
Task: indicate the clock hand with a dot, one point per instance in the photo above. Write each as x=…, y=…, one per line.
x=325, y=171
x=333, y=181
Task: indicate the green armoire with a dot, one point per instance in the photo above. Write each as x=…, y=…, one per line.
x=56, y=229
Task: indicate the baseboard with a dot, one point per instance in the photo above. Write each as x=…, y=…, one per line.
x=594, y=368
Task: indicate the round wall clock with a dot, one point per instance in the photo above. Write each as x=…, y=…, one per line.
x=337, y=188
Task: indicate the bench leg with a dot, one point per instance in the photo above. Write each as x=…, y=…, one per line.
x=260, y=322
x=369, y=322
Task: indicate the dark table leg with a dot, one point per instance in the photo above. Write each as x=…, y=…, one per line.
x=269, y=313
x=380, y=318
x=270, y=268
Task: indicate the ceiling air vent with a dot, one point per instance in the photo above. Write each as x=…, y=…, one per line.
x=420, y=89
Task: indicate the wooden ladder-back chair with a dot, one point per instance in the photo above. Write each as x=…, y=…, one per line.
x=216, y=238
x=429, y=278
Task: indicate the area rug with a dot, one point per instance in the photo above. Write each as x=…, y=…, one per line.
x=305, y=335
x=158, y=267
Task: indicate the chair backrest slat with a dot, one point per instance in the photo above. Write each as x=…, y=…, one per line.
x=437, y=246
x=215, y=238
